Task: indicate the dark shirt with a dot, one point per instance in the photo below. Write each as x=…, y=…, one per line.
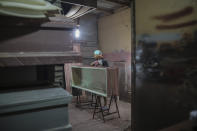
x=105, y=63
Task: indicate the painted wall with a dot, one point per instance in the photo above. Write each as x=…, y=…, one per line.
x=88, y=37
x=166, y=90
x=115, y=42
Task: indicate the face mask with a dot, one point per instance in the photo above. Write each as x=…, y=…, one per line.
x=100, y=62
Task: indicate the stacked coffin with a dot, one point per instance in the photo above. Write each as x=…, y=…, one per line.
x=34, y=110
x=26, y=8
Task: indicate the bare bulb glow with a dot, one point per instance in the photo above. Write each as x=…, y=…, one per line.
x=77, y=33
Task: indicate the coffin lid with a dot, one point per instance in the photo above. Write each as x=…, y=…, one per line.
x=33, y=99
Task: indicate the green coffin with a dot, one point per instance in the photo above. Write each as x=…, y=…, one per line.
x=35, y=110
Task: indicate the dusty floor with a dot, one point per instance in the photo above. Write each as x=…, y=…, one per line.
x=81, y=119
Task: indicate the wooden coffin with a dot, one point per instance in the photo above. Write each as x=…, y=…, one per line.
x=97, y=80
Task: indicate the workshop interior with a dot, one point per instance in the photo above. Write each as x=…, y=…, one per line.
x=98, y=65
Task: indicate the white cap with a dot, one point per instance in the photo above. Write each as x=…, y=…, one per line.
x=97, y=52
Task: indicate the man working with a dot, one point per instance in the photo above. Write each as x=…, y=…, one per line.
x=102, y=63
x=99, y=59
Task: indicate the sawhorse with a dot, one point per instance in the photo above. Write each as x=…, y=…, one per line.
x=84, y=104
x=105, y=111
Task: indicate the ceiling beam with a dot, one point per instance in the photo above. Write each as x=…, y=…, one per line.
x=124, y=3
x=105, y=11
x=89, y=3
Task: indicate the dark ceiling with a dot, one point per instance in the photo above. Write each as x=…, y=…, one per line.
x=99, y=7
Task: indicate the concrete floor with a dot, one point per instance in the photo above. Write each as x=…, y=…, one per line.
x=81, y=119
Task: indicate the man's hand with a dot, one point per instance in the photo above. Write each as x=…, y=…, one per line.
x=95, y=63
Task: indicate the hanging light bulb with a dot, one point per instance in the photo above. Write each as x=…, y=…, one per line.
x=77, y=33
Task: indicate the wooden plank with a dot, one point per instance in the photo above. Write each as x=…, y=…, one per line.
x=39, y=58
x=37, y=54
